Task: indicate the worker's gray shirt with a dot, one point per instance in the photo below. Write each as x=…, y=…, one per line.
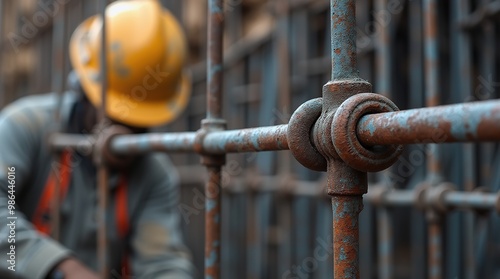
x=155, y=242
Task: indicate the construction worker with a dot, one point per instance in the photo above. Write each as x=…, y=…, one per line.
x=146, y=87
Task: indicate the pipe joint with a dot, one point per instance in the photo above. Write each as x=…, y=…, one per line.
x=208, y=126
x=103, y=146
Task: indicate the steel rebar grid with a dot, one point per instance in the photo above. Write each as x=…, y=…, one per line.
x=213, y=122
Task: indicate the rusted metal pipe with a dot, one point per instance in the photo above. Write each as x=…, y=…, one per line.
x=102, y=170
x=58, y=71
x=215, y=56
x=431, y=62
x=271, y=138
x=212, y=223
x=345, y=184
x=477, y=121
x=343, y=29
x=213, y=122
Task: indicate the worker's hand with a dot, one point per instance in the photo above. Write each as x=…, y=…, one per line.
x=73, y=269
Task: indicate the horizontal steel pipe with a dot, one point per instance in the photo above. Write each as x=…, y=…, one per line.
x=81, y=143
x=478, y=121
x=270, y=138
x=400, y=198
x=139, y=144
x=451, y=199
x=468, y=200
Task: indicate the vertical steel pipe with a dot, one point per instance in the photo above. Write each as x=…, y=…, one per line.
x=463, y=56
x=433, y=168
x=383, y=86
x=58, y=71
x=416, y=97
x=215, y=57
x=214, y=121
x=212, y=222
x=102, y=171
x=343, y=43
x=345, y=185
x=486, y=89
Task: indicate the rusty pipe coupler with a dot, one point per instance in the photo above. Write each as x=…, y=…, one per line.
x=103, y=144
x=207, y=126
x=316, y=131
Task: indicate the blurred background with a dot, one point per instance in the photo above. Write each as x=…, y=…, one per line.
x=276, y=216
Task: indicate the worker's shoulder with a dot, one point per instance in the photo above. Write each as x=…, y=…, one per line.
x=34, y=108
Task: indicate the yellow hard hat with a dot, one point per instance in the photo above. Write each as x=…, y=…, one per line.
x=146, y=49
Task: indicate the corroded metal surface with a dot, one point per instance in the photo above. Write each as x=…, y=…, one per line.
x=213, y=122
x=451, y=123
x=299, y=135
x=212, y=223
x=346, y=235
x=345, y=138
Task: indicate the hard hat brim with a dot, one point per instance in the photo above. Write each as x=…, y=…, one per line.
x=123, y=108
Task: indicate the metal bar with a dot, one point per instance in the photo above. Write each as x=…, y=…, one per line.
x=213, y=121
x=102, y=172
x=346, y=186
x=217, y=142
x=458, y=200
x=212, y=223
x=214, y=63
x=385, y=247
x=477, y=121
x=462, y=79
x=58, y=71
x=343, y=34
x=475, y=200
x=346, y=210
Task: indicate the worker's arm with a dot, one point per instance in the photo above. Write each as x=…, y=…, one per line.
x=157, y=246
x=24, y=252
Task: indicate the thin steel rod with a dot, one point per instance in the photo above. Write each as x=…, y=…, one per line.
x=215, y=56
x=343, y=34
x=464, y=58
x=214, y=121
x=385, y=245
x=212, y=223
x=58, y=71
x=346, y=211
x=467, y=200
x=346, y=186
x=102, y=172
x=218, y=142
x=455, y=200
x=477, y=121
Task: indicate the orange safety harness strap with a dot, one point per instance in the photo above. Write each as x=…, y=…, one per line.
x=41, y=217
